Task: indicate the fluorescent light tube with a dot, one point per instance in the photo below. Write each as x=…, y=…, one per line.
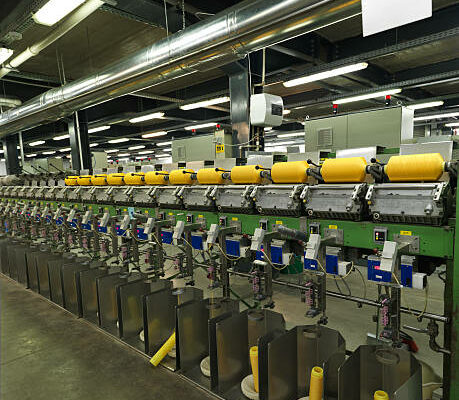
x=154, y=134
x=99, y=129
x=286, y=112
x=200, y=126
x=426, y=105
x=112, y=151
x=31, y=155
x=61, y=137
x=124, y=155
x=163, y=143
x=5, y=54
x=326, y=74
x=136, y=147
x=146, y=152
x=55, y=10
x=205, y=103
x=367, y=96
x=120, y=140
x=452, y=124
x=287, y=135
x=437, y=116
x=156, y=115
x=65, y=149
x=94, y=145
x=49, y=152
x=37, y=143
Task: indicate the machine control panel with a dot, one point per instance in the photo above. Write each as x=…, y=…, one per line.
x=379, y=235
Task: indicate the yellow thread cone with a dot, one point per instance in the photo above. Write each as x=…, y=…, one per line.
x=381, y=395
x=210, y=176
x=116, y=179
x=134, y=178
x=415, y=167
x=84, y=180
x=246, y=174
x=99, y=180
x=317, y=384
x=156, y=178
x=344, y=170
x=162, y=352
x=290, y=172
x=181, y=177
x=254, y=363
x=71, y=181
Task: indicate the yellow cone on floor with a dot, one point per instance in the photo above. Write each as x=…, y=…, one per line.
x=162, y=352
x=317, y=384
x=381, y=395
x=254, y=363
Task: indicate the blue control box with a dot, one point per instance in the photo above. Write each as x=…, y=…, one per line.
x=406, y=272
x=166, y=237
x=197, y=242
x=310, y=264
x=141, y=235
x=375, y=274
x=331, y=264
x=233, y=247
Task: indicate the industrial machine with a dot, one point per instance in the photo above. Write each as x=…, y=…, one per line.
x=106, y=250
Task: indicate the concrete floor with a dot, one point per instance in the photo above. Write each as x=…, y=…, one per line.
x=47, y=353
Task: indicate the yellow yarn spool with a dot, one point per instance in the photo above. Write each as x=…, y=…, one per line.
x=344, y=170
x=84, y=180
x=290, y=172
x=210, y=176
x=381, y=395
x=181, y=177
x=253, y=352
x=415, y=167
x=134, y=178
x=99, y=180
x=156, y=178
x=162, y=352
x=316, y=386
x=116, y=179
x=246, y=174
x=71, y=181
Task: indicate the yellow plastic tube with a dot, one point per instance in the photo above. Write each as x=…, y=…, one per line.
x=71, y=181
x=210, y=176
x=84, y=180
x=316, y=386
x=134, y=178
x=156, y=177
x=99, y=180
x=115, y=179
x=381, y=395
x=181, y=177
x=415, y=167
x=290, y=172
x=246, y=174
x=254, y=363
x=344, y=170
x=162, y=352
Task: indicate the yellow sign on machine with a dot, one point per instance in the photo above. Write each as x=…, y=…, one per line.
x=220, y=148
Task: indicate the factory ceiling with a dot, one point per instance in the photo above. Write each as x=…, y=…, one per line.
x=421, y=58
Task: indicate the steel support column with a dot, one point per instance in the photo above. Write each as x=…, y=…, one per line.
x=79, y=141
x=239, y=84
x=10, y=148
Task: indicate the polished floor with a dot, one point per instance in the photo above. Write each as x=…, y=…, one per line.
x=47, y=353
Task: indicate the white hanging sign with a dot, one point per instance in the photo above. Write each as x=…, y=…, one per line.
x=381, y=15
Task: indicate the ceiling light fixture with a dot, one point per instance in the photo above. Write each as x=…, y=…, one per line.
x=5, y=54
x=437, y=116
x=367, y=96
x=200, y=126
x=94, y=145
x=136, y=147
x=156, y=115
x=55, y=10
x=31, y=155
x=326, y=74
x=286, y=112
x=124, y=155
x=146, y=152
x=420, y=106
x=120, y=140
x=452, y=125
x=61, y=137
x=163, y=143
x=99, y=129
x=153, y=134
x=205, y=103
x=65, y=149
x=49, y=152
x=37, y=143
x=287, y=135
x=111, y=151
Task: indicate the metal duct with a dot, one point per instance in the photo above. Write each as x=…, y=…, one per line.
x=228, y=36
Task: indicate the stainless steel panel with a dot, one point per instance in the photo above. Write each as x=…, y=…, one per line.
x=42, y=260
x=445, y=148
x=71, y=284
x=32, y=273
x=55, y=277
x=88, y=288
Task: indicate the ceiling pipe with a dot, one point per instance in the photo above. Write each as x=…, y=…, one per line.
x=84, y=11
x=218, y=40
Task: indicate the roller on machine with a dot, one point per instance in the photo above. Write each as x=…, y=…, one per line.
x=212, y=176
x=116, y=179
x=99, y=180
x=182, y=177
x=134, y=178
x=157, y=178
x=71, y=181
x=248, y=174
x=84, y=180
